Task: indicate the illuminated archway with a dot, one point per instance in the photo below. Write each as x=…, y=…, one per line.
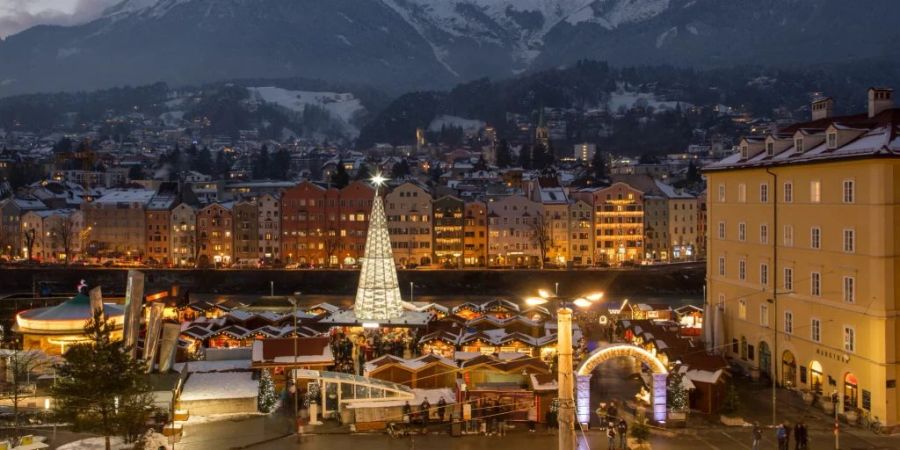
x=601, y=355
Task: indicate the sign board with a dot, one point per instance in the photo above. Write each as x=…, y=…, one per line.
x=467, y=411
x=603, y=320
x=305, y=373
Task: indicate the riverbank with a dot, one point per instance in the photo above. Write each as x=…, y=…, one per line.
x=675, y=279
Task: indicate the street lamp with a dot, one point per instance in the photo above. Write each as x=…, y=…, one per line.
x=565, y=370
x=293, y=300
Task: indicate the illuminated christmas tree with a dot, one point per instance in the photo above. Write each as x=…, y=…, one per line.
x=378, y=294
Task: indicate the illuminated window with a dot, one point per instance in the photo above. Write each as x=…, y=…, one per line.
x=764, y=315
x=815, y=191
x=742, y=309
x=742, y=193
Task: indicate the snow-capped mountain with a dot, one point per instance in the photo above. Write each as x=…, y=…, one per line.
x=412, y=44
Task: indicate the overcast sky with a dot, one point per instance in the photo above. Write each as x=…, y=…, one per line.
x=17, y=15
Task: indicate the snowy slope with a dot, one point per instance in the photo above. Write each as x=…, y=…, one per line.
x=343, y=107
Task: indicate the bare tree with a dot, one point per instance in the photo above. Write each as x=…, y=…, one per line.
x=22, y=367
x=331, y=243
x=540, y=235
x=29, y=236
x=64, y=234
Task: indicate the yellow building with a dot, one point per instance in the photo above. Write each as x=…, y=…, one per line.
x=618, y=222
x=804, y=238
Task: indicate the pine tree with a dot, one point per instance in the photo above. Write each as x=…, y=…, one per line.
x=525, y=158
x=281, y=165
x=400, y=170
x=677, y=395
x=99, y=387
x=340, y=178
x=261, y=164
x=266, y=399
x=504, y=156
x=202, y=162
x=222, y=165
x=362, y=173
x=598, y=164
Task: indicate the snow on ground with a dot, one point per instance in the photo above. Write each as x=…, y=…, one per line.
x=214, y=366
x=195, y=420
x=469, y=125
x=220, y=385
x=629, y=100
x=95, y=443
x=342, y=106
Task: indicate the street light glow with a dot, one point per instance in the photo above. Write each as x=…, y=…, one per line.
x=543, y=293
x=582, y=303
x=535, y=301
x=594, y=296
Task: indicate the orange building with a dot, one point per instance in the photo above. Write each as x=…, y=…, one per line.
x=325, y=226
x=214, y=231
x=618, y=222
x=475, y=234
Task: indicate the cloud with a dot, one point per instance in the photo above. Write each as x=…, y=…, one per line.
x=19, y=15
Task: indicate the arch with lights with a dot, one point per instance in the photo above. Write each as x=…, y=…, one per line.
x=601, y=355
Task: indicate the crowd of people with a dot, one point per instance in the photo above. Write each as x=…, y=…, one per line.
x=352, y=350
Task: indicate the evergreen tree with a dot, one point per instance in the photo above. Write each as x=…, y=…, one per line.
x=693, y=174
x=202, y=161
x=677, y=395
x=363, y=173
x=99, y=388
x=136, y=172
x=400, y=170
x=281, y=165
x=435, y=172
x=266, y=399
x=598, y=164
x=340, y=178
x=261, y=164
x=222, y=165
x=525, y=158
x=504, y=156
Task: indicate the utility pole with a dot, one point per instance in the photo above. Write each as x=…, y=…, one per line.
x=566, y=418
x=293, y=300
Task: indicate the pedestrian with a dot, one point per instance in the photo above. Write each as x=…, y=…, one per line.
x=787, y=436
x=804, y=436
x=611, y=436
x=798, y=436
x=407, y=410
x=442, y=409
x=532, y=417
x=781, y=436
x=757, y=435
x=622, y=430
x=425, y=408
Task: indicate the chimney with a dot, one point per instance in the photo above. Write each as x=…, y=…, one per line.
x=880, y=100
x=822, y=108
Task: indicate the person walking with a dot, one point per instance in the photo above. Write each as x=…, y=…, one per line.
x=425, y=408
x=757, y=435
x=804, y=436
x=442, y=409
x=532, y=417
x=798, y=436
x=407, y=410
x=622, y=430
x=787, y=436
x=611, y=436
x=781, y=437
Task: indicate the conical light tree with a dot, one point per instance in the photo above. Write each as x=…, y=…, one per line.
x=378, y=295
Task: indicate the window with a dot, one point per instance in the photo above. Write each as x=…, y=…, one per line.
x=798, y=145
x=815, y=237
x=815, y=191
x=722, y=230
x=788, y=192
x=849, y=338
x=788, y=279
x=764, y=193
x=849, y=240
x=742, y=269
x=742, y=193
x=849, y=290
x=849, y=191
x=815, y=330
x=764, y=315
x=832, y=140
x=764, y=274
x=763, y=234
x=788, y=322
x=721, y=193
x=788, y=235
x=815, y=284
x=742, y=231
x=770, y=148
x=742, y=309
x=722, y=266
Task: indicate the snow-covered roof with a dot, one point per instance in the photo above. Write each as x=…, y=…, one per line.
x=111, y=196
x=219, y=386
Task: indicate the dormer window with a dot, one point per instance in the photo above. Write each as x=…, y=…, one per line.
x=798, y=145
x=832, y=140
x=770, y=148
x=744, y=151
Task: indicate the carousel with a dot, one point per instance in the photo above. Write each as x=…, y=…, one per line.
x=53, y=329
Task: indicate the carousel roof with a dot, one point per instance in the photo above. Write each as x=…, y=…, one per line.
x=68, y=316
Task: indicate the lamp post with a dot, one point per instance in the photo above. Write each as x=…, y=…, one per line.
x=565, y=370
x=293, y=300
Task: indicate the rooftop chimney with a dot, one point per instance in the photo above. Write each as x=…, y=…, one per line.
x=880, y=99
x=822, y=108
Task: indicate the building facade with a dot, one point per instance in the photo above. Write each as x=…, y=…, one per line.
x=408, y=210
x=448, y=231
x=183, y=238
x=117, y=222
x=268, y=206
x=215, y=234
x=246, y=232
x=475, y=234
x=512, y=229
x=804, y=256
